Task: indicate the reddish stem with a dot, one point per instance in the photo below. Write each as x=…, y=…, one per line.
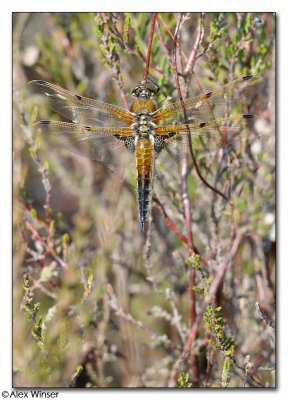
x=183, y=55
x=154, y=16
x=169, y=222
x=186, y=203
x=218, y=279
x=197, y=169
x=258, y=271
x=173, y=228
x=35, y=234
x=196, y=166
x=123, y=94
x=192, y=58
x=189, y=71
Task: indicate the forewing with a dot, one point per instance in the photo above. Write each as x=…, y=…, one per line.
x=212, y=105
x=80, y=109
x=98, y=144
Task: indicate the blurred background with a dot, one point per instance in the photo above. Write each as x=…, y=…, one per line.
x=98, y=304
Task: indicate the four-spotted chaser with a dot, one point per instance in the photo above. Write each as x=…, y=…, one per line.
x=100, y=130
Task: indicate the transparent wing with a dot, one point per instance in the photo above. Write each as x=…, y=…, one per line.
x=205, y=137
x=80, y=109
x=98, y=143
x=212, y=105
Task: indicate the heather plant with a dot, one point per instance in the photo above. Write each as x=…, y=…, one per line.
x=190, y=303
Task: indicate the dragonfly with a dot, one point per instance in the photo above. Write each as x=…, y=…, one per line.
x=101, y=131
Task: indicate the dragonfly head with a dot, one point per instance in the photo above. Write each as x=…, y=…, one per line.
x=146, y=89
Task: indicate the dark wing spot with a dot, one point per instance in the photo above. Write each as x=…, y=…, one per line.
x=78, y=97
x=45, y=122
x=209, y=94
x=88, y=128
x=202, y=124
x=39, y=82
x=170, y=135
x=247, y=77
x=120, y=137
x=248, y=116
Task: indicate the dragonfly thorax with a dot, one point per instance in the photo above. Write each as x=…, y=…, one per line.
x=143, y=125
x=143, y=106
x=142, y=118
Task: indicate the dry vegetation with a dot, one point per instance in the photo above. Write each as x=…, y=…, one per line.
x=96, y=302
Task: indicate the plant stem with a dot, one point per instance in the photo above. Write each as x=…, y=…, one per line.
x=154, y=16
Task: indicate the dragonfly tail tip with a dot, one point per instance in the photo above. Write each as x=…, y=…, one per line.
x=142, y=226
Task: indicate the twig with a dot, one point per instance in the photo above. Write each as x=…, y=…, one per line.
x=260, y=273
x=263, y=315
x=218, y=279
x=113, y=303
x=184, y=170
x=186, y=203
x=211, y=295
x=47, y=243
x=154, y=16
x=123, y=94
x=169, y=221
x=183, y=55
x=175, y=318
x=171, y=225
x=192, y=58
x=184, y=173
x=113, y=59
x=135, y=50
x=209, y=365
x=195, y=164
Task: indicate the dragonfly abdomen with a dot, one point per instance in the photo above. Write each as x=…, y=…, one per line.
x=144, y=157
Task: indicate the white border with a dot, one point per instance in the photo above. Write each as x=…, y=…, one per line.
x=5, y=178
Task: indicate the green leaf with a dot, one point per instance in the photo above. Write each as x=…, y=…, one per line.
x=225, y=372
x=47, y=272
x=79, y=370
x=33, y=213
x=34, y=115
